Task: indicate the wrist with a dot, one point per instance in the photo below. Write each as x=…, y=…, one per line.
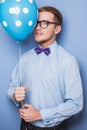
x=38, y=115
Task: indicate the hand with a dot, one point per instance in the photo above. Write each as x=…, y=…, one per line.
x=19, y=93
x=29, y=113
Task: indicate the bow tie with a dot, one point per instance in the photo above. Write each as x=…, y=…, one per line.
x=45, y=50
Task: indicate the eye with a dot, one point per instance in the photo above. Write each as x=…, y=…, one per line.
x=45, y=22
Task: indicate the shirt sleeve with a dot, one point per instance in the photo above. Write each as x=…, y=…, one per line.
x=73, y=97
x=16, y=80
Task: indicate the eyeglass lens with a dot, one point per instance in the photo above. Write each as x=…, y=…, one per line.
x=44, y=24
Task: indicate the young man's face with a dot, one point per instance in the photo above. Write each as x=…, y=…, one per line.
x=45, y=36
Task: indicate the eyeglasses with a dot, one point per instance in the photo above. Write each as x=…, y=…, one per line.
x=44, y=24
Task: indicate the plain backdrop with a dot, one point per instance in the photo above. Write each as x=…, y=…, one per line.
x=73, y=38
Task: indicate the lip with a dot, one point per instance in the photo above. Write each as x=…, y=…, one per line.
x=37, y=34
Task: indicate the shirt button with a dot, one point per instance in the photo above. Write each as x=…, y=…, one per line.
x=48, y=121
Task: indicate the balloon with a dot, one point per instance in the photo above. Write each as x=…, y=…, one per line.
x=18, y=17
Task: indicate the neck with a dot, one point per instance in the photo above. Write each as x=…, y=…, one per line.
x=46, y=44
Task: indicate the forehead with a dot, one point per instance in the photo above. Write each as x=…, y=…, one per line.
x=45, y=15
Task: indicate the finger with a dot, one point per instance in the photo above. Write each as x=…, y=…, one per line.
x=22, y=95
x=26, y=105
x=22, y=88
x=19, y=98
x=22, y=114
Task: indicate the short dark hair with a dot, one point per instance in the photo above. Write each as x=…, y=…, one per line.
x=54, y=11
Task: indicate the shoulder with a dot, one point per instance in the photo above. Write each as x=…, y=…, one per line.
x=27, y=56
x=66, y=58
x=65, y=54
x=28, y=53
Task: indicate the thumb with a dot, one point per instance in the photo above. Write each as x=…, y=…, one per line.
x=26, y=106
x=25, y=87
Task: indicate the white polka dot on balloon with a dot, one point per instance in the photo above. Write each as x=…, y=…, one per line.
x=18, y=0
x=31, y=1
x=5, y=23
x=30, y=22
x=25, y=10
x=11, y=10
x=2, y=1
x=18, y=23
x=17, y=10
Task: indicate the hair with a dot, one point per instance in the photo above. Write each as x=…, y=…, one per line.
x=57, y=14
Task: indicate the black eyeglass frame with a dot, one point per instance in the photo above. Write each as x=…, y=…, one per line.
x=48, y=22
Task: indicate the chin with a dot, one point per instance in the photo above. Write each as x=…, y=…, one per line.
x=38, y=41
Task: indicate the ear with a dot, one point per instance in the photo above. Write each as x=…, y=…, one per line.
x=58, y=29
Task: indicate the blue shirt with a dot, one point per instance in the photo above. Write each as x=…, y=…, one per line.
x=54, y=83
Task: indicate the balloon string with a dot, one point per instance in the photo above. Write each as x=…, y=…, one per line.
x=20, y=54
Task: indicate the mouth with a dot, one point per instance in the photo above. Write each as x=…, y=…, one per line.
x=37, y=34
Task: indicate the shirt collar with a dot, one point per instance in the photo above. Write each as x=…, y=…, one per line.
x=52, y=47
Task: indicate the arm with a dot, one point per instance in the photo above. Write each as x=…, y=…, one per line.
x=15, y=92
x=73, y=97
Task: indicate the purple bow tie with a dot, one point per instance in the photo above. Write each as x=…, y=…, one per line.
x=45, y=50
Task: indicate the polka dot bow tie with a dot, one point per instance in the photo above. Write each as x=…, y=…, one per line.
x=38, y=50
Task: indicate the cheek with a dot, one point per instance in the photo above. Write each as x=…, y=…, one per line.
x=49, y=33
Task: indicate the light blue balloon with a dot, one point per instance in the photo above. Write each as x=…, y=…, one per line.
x=18, y=17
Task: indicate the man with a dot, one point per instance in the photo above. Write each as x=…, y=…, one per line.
x=49, y=75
